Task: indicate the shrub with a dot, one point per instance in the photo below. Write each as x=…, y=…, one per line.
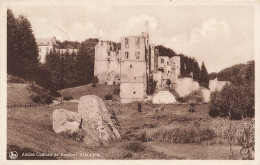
x=93, y=85
x=36, y=99
x=135, y=146
x=108, y=96
x=235, y=101
x=67, y=98
x=116, y=91
x=168, y=82
x=246, y=138
x=39, y=95
x=15, y=79
x=195, y=96
x=94, y=79
x=143, y=137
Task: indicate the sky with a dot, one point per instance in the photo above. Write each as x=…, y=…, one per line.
x=219, y=36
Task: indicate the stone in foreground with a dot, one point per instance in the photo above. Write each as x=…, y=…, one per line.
x=96, y=121
x=65, y=121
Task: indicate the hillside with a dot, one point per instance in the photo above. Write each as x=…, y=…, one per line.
x=18, y=93
x=163, y=51
x=228, y=73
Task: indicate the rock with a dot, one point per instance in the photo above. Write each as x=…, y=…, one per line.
x=65, y=121
x=163, y=97
x=96, y=121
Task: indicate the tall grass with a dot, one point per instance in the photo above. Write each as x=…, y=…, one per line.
x=199, y=131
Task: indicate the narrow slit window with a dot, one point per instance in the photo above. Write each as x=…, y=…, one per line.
x=126, y=55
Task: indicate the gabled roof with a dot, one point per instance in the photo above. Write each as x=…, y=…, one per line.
x=46, y=41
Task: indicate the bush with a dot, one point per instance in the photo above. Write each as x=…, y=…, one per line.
x=15, y=79
x=36, y=99
x=234, y=101
x=39, y=95
x=195, y=96
x=67, y=98
x=94, y=79
x=116, y=91
x=108, y=96
x=168, y=82
x=135, y=146
x=93, y=85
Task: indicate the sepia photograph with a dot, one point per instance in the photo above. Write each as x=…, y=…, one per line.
x=110, y=80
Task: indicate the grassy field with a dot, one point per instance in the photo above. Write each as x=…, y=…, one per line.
x=18, y=93
x=100, y=90
x=143, y=136
x=30, y=129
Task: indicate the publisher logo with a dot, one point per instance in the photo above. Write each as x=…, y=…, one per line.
x=13, y=155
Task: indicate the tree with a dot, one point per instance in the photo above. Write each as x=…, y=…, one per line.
x=28, y=50
x=22, y=51
x=12, y=44
x=196, y=70
x=204, y=77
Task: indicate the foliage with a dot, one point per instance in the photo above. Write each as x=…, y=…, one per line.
x=168, y=82
x=186, y=133
x=15, y=79
x=152, y=86
x=229, y=74
x=93, y=85
x=67, y=98
x=108, y=96
x=236, y=102
x=22, y=51
x=204, y=77
x=195, y=96
x=94, y=79
x=39, y=95
x=238, y=99
x=135, y=146
x=246, y=138
x=165, y=51
x=116, y=91
x=68, y=44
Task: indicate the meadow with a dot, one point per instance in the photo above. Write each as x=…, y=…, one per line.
x=174, y=134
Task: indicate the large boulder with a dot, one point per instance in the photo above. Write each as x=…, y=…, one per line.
x=65, y=121
x=163, y=97
x=96, y=121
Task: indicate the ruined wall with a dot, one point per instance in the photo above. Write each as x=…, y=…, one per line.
x=157, y=76
x=175, y=69
x=164, y=63
x=107, y=62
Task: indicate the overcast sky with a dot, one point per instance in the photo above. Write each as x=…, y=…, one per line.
x=219, y=36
